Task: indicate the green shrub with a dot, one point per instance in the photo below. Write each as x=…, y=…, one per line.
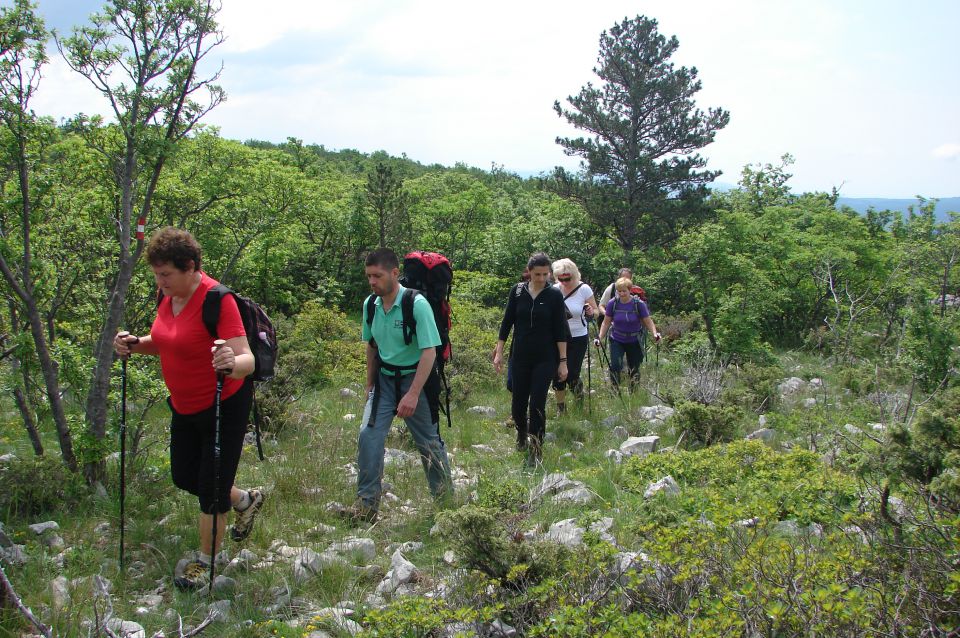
x=757, y=386
x=507, y=495
x=479, y=288
x=408, y=617
x=493, y=544
x=707, y=424
x=39, y=484
x=319, y=347
x=472, y=338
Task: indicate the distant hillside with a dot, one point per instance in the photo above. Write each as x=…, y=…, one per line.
x=861, y=204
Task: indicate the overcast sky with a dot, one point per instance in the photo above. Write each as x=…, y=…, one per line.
x=864, y=93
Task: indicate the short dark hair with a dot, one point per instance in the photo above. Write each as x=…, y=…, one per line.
x=538, y=260
x=382, y=257
x=169, y=245
x=624, y=272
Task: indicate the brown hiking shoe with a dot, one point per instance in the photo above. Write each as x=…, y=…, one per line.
x=196, y=575
x=243, y=524
x=357, y=514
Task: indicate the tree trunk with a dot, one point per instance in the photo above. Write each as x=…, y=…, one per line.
x=26, y=412
x=96, y=409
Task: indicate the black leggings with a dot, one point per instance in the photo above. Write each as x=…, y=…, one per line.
x=191, y=448
x=576, y=351
x=531, y=381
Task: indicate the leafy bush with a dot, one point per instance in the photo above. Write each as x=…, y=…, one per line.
x=927, y=451
x=507, y=495
x=707, y=424
x=409, y=616
x=35, y=485
x=319, y=347
x=472, y=338
x=743, y=479
x=480, y=288
x=494, y=544
x=757, y=386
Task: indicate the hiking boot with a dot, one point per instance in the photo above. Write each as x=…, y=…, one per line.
x=243, y=524
x=357, y=514
x=196, y=575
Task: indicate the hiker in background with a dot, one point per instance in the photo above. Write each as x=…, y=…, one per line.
x=178, y=335
x=524, y=277
x=610, y=291
x=625, y=318
x=535, y=313
x=581, y=308
x=401, y=381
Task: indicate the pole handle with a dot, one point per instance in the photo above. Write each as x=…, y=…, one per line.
x=221, y=374
x=123, y=334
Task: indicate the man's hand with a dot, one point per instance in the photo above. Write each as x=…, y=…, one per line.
x=408, y=405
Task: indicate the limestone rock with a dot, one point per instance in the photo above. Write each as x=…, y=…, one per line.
x=14, y=555
x=566, y=532
x=480, y=447
x=614, y=455
x=763, y=434
x=348, y=393
x=40, y=528
x=611, y=421
x=791, y=386
x=621, y=433
x=366, y=548
x=392, y=456
x=402, y=572
x=485, y=411
x=656, y=413
x=667, y=486
x=60, y=592
x=5, y=540
x=639, y=445
x=219, y=609
x=810, y=402
x=576, y=496
x=126, y=628
x=500, y=629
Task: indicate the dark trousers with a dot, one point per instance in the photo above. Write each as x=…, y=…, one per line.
x=191, y=449
x=634, y=353
x=531, y=381
x=576, y=351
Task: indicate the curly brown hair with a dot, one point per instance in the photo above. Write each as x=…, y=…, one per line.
x=175, y=246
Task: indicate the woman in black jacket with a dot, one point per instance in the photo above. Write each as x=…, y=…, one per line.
x=535, y=312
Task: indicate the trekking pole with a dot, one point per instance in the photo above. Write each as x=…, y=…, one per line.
x=221, y=375
x=123, y=442
x=589, y=381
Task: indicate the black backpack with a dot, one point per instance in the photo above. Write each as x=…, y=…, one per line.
x=261, y=336
x=430, y=275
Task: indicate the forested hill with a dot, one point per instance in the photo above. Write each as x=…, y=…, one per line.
x=944, y=206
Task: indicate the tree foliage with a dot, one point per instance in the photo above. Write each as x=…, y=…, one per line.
x=642, y=174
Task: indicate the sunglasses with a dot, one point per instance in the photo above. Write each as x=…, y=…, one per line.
x=564, y=278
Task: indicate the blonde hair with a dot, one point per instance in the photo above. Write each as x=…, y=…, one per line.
x=566, y=267
x=624, y=283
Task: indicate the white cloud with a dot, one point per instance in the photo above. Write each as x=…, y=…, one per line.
x=947, y=151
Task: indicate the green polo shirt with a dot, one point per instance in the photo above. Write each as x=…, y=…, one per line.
x=387, y=330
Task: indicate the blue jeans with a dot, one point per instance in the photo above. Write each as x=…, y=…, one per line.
x=426, y=435
x=634, y=354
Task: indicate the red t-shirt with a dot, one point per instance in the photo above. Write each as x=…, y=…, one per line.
x=184, y=345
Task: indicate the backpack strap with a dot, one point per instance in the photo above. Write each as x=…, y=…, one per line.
x=211, y=307
x=371, y=309
x=579, y=286
x=406, y=311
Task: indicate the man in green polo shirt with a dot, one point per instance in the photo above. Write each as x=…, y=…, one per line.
x=397, y=375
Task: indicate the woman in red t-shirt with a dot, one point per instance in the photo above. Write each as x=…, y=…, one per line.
x=184, y=345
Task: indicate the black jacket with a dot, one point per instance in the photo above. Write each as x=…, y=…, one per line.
x=538, y=324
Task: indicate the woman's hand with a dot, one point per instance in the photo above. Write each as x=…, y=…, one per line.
x=498, y=361
x=562, y=371
x=224, y=359
x=123, y=343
